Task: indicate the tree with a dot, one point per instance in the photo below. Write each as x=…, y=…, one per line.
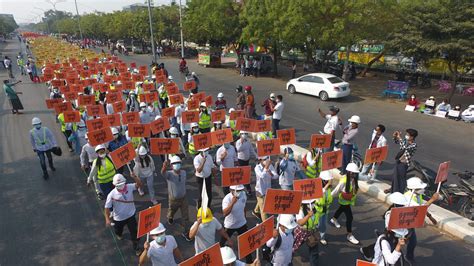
x=7, y=24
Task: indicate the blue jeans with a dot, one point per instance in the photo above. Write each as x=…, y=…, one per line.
x=323, y=220
x=43, y=160
x=364, y=174
x=275, y=126
x=106, y=188
x=346, y=156
x=411, y=244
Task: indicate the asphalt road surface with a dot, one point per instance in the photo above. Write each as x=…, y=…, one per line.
x=60, y=222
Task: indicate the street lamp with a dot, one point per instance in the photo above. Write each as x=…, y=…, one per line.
x=78, y=20
x=181, y=30
x=151, y=32
x=54, y=3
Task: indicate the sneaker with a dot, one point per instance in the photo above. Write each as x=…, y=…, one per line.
x=323, y=241
x=363, y=254
x=335, y=223
x=170, y=221
x=154, y=201
x=352, y=239
x=119, y=237
x=186, y=236
x=257, y=215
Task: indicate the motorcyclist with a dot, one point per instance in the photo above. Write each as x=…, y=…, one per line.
x=182, y=64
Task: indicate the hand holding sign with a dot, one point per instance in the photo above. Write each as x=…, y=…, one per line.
x=268, y=147
x=160, y=146
x=232, y=176
x=442, y=174
x=210, y=257
x=376, y=155
x=202, y=141
x=312, y=188
x=123, y=155
x=407, y=217
x=320, y=141
x=332, y=160
x=256, y=237
x=286, y=136
x=282, y=201
x=100, y=136
x=148, y=220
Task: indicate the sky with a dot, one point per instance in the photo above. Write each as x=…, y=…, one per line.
x=30, y=11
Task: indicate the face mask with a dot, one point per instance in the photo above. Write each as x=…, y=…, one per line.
x=176, y=166
x=142, y=156
x=102, y=155
x=161, y=239
x=291, y=156
x=174, y=135
x=116, y=136
x=143, y=109
x=413, y=97
x=226, y=145
x=244, y=136
x=407, y=137
x=120, y=188
x=38, y=126
x=238, y=194
x=196, y=130
x=204, y=153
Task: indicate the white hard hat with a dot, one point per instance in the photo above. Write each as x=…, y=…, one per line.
x=203, y=104
x=81, y=123
x=142, y=151
x=354, y=119
x=237, y=187
x=157, y=117
x=228, y=255
x=217, y=122
x=174, y=131
x=287, y=220
x=352, y=167
x=272, y=95
x=326, y=175
x=114, y=131
x=99, y=147
x=142, y=104
x=401, y=231
x=170, y=77
x=415, y=183
x=220, y=95
x=231, y=110
x=308, y=201
x=193, y=73
x=398, y=198
x=243, y=132
x=35, y=121
x=194, y=124
x=175, y=159
x=118, y=179
x=160, y=229
x=204, y=149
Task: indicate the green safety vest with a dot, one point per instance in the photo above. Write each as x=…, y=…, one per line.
x=342, y=201
x=416, y=198
x=63, y=124
x=322, y=204
x=235, y=132
x=105, y=174
x=97, y=95
x=136, y=141
x=163, y=94
x=191, y=148
x=264, y=136
x=315, y=170
x=204, y=121
x=312, y=222
x=37, y=140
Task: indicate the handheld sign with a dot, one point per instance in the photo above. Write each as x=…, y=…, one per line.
x=51, y=102
x=221, y=136
x=62, y=107
x=209, y=257
x=218, y=115
x=168, y=112
x=208, y=100
x=113, y=96
x=232, y=176
x=119, y=106
x=114, y=120
x=98, y=123
x=312, y=188
x=189, y=85
x=100, y=136
x=171, y=88
x=263, y=126
x=364, y=263
x=244, y=124
x=286, y=136
x=148, y=219
x=332, y=160
x=160, y=146
x=278, y=201
x=409, y=108
x=320, y=141
x=123, y=155
x=376, y=155
x=256, y=237
x=407, y=217
x=84, y=100
x=202, y=141
x=95, y=110
x=72, y=117
x=159, y=125
x=234, y=115
x=151, y=97
x=149, y=87
x=69, y=96
x=176, y=98
x=192, y=104
x=139, y=130
x=442, y=174
x=190, y=116
x=268, y=147
x=199, y=96
x=130, y=118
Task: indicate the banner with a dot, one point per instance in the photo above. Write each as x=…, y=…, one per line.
x=286, y=136
x=442, y=174
x=332, y=160
x=160, y=146
x=407, y=217
x=98, y=123
x=159, y=125
x=139, y=130
x=376, y=155
x=256, y=237
x=190, y=117
x=218, y=115
x=202, y=141
x=232, y=176
x=123, y=155
x=268, y=147
x=278, y=201
x=222, y=136
x=72, y=116
x=100, y=136
x=312, y=188
x=209, y=257
x=148, y=219
x=130, y=118
x=320, y=141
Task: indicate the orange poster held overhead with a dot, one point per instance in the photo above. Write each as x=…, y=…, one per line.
x=376, y=155
x=278, y=201
x=148, y=86
x=234, y=115
x=151, y=97
x=192, y=104
x=268, y=147
x=255, y=237
x=72, y=117
x=442, y=172
x=95, y=110
x=161, y=79
x=51, y=102
x=218, y=115
x=189, y=85
x=312, y=188
x=221, y=136
x=160, y=146
x=100, y=136
x=171, y=88
x=98, y=123
x=364, y=263
x=245, y=124
x=168, y=112
x=114, y=120
x=119, y=106
x=159, y=125
x=143, y=70
x=123, y=155
x=232, y=176
x=57, y=82
x=113, y=96
x=128, y=85
x=407, y=217
x=62, y=107
x=286, y=136
x=139, y=130
x=130, y=118
x=263, y=126
x=190, y=116
x=160, y=72
x=320, y=141
x=209, y=257
x=208, y=100
x=332, y=160
x=148, y=219
x=176, y=98
x=202, y=141
x=200, y=96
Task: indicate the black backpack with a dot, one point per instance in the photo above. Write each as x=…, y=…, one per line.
x=267, y=252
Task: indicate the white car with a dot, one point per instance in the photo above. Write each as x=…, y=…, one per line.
x=325, y=86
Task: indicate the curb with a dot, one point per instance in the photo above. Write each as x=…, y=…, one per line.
x=448, y=221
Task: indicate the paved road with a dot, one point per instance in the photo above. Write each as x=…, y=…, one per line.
x=59, y=221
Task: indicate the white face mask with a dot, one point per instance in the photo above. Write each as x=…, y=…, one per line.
x=407, y=137
x=102, y=155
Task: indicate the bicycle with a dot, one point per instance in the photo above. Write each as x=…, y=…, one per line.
x=459, y=198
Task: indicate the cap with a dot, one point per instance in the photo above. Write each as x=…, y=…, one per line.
x=220, y=95
x=99, y=147
x=308, y=201
x=142, y=104
x=170, y=77
x=142, y=151
x=432, y=97
x=248, y=88
x=118, y=180
x=35, y=121
x=334, y=108
x=193, y=73
x=114, y=131
x=354, y=119
x=287, y=220
x=326, y=175
x=398, y=198
x=160, y=229
x=203, y=104
x=272, y=95
x=174, y=131
x=194, y=124
x=208, y=215
x=401, y=231
x=175, y=159
x=237, y=187
x=415, y=183
x=231, y=110
x=352, y=167
x=228, y=255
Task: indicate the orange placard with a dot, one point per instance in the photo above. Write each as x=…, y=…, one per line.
x=100, y=136
x=278, y=201
x=98, y=123
x=130, y=118
x=139, y=130
x=218, y=115
x=199, y=96
x=232, y=176
x=176, y=98
x=286, y=136
x=211, y=256
x=151, y=97
x=234, y=115
x=113, y=96
x=263, y=126
x=114, y=120
x=161, y=79
x=190, y=116
x=159, y=72
x=171, y=88
x=376, y=155
x=255, y=237
x=148, y=86
x=364, y=263
x=268, y=147
x=72, y=116
x=57, y=82
x=192, y=104
x=442, y=172
x=95, y=110
x=208, y=100
x=202, y=141
x=221, y=136
x=69, y=96
x=119, y=106
x=245, y=124
x=407, y=217
x=332, y=160
x=62, y=107
x=123, y=155
x=159, y=125
x=51, y=102
x=148, y=219
x=164, y=146
x=143, y=70
x=189, y=85
x=320, y=141
x=168, y=112
x=312, y=188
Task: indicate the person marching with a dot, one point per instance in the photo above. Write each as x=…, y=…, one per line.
x=331, y=124
x=245, y=150
x=145, y=169
x=194, y=131
x=231, y=124
x=315, y=163
x=204, y=230
x=347, y=192
x=42, y=140
x=369, y=171
x=388, y=247
x=226, y=156
x=205, y=168
x=323, y=204
x=204, y=119
x=229, y=258
x=289, y=169
x=348, y=141
x=264, y=173
x=67, y=129
x=282, y=240
x=102, y=172
x=163, y=250
x=307, y=230
x=88, y=155
x=221, y=103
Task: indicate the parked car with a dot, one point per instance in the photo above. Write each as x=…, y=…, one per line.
x=325, y=86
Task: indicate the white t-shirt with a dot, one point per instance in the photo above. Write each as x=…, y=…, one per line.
x=163, y=255
x=278, y=110
x=229, y=160
x=236, y=217
x=206, y=235
x=284, y=254
x=331, y=124
x=208, y=165
x=123, y=204
x=287, y=177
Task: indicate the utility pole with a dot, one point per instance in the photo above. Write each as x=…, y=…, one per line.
x=151, y=32
x=78, y=20
x=54, y=3
x=181, y=30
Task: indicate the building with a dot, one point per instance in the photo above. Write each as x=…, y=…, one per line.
x=134, y=7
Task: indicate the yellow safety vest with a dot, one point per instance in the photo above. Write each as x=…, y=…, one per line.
x=322, y=204
x=235, y=132
x=37, y=140
x=204, y=121
x=315, y=170
x=416, y=198
x=63, y=124
x=191, y=148
x=136, y=141
x=342, y=201
x=312, y=221
x=105, y=174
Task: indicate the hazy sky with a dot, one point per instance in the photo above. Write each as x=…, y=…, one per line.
x=26, y=11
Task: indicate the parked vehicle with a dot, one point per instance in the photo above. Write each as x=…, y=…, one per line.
x=460, y=198
x=325, y=86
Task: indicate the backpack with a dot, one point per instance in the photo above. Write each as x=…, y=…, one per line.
x=267, y=252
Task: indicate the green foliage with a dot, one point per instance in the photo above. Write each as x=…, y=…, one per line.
x=7, y=24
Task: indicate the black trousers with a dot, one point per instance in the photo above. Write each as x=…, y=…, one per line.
x=275, y=126
x=132, y=226
x=239, y=231
x=200, y=182
x=399, y=179
x=245, y=163
x=346, y=209
x=67, y=134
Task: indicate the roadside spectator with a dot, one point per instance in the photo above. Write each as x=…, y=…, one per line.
x=267, y=105
x=8, y=65
x=331, y=124
x=443, y=106
x=277, y=114
x=369, y=171
x=293, y=70
x=430, y=105
x=468, y=114
x=413, y=101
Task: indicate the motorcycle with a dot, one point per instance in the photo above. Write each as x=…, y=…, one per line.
x=184, y=70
